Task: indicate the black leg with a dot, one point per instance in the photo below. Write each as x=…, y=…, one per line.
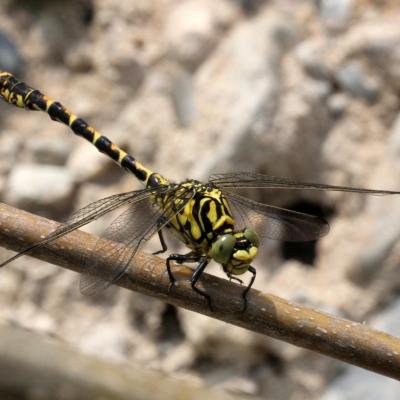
x=179, y=258
x=164, y=246
x=246, y=291
x=195, y=277
x=233, y=278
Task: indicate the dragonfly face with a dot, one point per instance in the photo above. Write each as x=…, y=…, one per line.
x=235, y=251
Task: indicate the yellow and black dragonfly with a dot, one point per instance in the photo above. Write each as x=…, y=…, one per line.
x=212, y=219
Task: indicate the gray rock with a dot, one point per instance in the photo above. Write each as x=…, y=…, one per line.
x=107, y=339
x=336, y=14
x=86, y=163
x=338, y=103
x=376, y=251
x=10, y=58
x=394, y=139
x=311, y=55
x=360, y=384
x=50, y=150
x=182, y=98
x=389, y=319
x=193, y=28
x=37, y=186
x=376, y=42
x=235, y=87
x=251, y=6
x=352, y=78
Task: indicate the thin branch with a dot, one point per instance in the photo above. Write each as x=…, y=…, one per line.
x=266, y=314
x=64, y=373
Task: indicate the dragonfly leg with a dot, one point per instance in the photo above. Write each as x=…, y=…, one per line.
x=195, y=277
x=246, y=291
x=233, y=278
x=180, y=259
x=164, y=246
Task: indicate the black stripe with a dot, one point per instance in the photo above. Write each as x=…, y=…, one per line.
x=204, y=218
x=196, y=216
x=153, y=180
x=129, y=163
x=19, y=88
x=140, y=174
x=36, y=98
x=80, y=128
x=104, y=144
x=58, y=113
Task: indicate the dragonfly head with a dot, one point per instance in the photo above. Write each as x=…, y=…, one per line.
x=235, y=251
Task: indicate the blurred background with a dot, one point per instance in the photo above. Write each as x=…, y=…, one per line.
x=306, y=89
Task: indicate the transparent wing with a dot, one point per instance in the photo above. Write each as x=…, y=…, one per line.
x=86, y=215
x=242, y=180
x=125, y=236
x=275, y=222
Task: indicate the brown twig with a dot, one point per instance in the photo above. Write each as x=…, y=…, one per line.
x=64, y=373
x=266, y=314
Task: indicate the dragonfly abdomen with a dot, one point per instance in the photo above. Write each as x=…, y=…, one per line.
x=21, y=95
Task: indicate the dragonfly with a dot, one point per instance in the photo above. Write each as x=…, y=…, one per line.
x=212, y=219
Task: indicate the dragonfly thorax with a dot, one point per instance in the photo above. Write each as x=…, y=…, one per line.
x=235, y=251
x=199, y=214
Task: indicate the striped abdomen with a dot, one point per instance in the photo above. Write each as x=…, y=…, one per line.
x=21, y=95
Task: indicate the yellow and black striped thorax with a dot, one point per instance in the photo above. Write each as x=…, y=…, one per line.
x=21, y=95
x=201, y=213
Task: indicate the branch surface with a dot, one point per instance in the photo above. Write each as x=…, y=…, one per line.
x=345, y=340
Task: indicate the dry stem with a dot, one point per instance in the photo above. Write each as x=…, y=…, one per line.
x=266, y=314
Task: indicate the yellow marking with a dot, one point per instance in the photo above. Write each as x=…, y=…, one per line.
x=175, y=224
x=72, y=118
x=26, y=98
x=147, y=171
x=195, y=230
x=182, y=218
x=96, y=135
x=241, y=255
x=188, y=210
x=215, y=193
x=114, y=147
x=253, y=252
x=244, y=255
x=49, y=102
x=224, y=219
x=20, y=101
x=6, y=94
x=212, y=213
x=122, y=155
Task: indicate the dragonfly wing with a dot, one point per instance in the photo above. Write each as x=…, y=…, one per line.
x=124, y=237
x=275, y=222
x=86, y=215
x=129, y=232
x=243, y=180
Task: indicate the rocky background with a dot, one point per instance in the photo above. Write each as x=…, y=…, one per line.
x=307, y=89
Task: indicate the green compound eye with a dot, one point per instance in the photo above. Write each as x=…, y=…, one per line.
x=251, y=234
x=221, y=250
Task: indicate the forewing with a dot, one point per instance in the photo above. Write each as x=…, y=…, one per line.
x=243, y=180
x=275, y=222
x=86, y=215
x=125, y=236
